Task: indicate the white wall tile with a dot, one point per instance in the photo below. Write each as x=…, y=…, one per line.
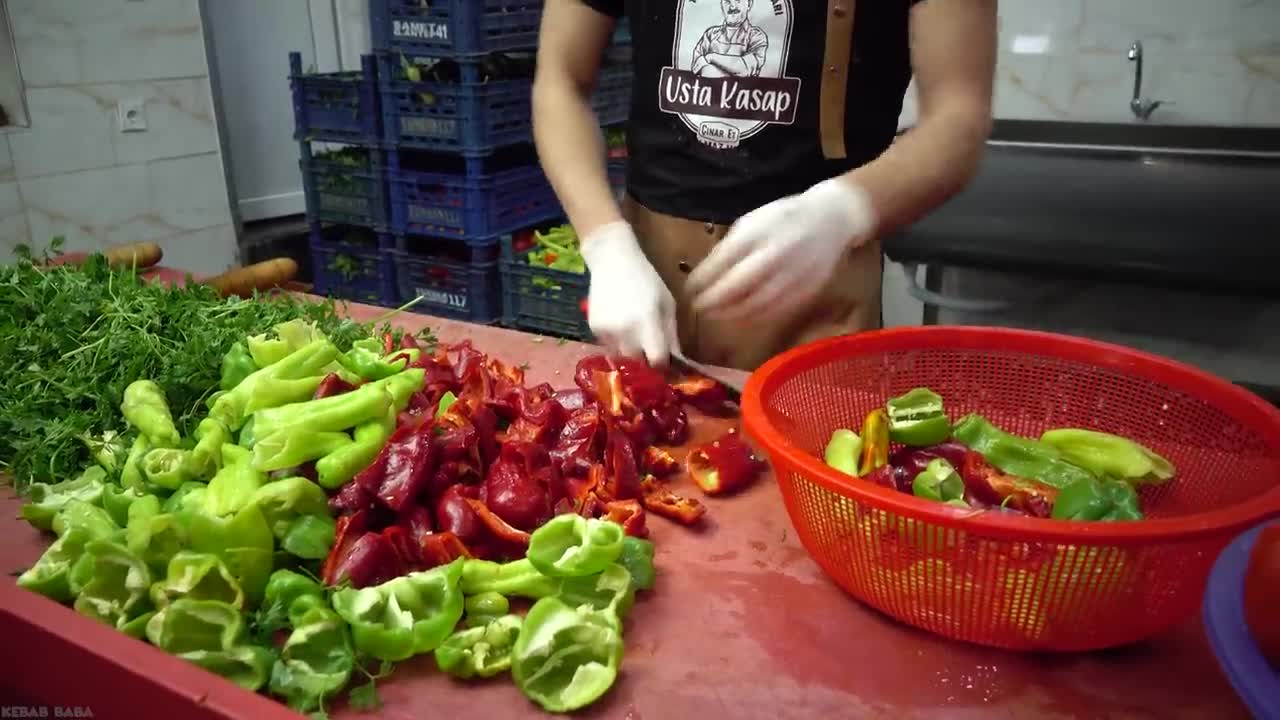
x=6, y=159
x=13, y=221
x=71, y=130
x=179, y=115
x=188, y=193
x=72, y=42
x=92, y=209
x=203, y=252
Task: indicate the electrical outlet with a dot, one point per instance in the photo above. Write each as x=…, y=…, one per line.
x=132, y=115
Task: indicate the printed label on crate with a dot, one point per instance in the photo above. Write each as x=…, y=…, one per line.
x=418, y=30
x=440, y=297
x=431, y=127
x=727, y=80
x=344, y=204
x=430, y=215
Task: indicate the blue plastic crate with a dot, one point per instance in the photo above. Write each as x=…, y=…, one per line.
x=345, y=185
x=540, y=299
x=343, y=107
x=612, y=99
x=469, y=199
x=453, y=279
x=455, y=28
x=352, y=263
x=617, y=169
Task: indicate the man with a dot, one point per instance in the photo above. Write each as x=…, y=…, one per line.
x=763, y=167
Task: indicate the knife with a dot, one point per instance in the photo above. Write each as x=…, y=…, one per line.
x=733, y=388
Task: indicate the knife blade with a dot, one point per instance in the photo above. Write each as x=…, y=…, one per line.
x=733, y=388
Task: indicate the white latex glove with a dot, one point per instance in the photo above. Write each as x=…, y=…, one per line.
x=629, y=308
x=782, y=255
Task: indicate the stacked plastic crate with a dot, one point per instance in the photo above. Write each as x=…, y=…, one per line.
x=338, y=125
x=455, y=79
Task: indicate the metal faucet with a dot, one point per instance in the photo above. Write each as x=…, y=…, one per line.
x=1142, y=109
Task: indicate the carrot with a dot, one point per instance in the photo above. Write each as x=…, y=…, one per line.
x=261, y=276
x=140, y=255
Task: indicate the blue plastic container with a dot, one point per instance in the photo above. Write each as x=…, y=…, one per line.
x=1254, y=679
x=352, y=263
x=540, y=299
x=453, y=279
x=342, y=107
x=612, y=99
x=617, y=170
x=468, y=199
x=345, y=185
x=454, y=28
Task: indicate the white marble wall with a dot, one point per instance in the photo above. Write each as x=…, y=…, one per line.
x=1217, y=61
x=73, y=173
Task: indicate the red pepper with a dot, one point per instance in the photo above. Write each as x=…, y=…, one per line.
x=623, y=482
x=512, y=487
x=347, y=530
x=405, y=546
x=608, y=386
x=725, y=465
x=659, y=462
x=410, y=460
x=629, y=514
x=703, y=393
x=991, y=487
x=370, y=560
x=582, y=305
x=875, y=443
x=454, y=515
x=496, y=525
x=549, y=257
x=332, y=385
x=388, y=343
x=417, y=520
x=442, y=549
x=658, y=498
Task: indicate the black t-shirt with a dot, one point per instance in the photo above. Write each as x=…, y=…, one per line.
x=724, y=109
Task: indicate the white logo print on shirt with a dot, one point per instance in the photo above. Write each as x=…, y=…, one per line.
x=728, y=78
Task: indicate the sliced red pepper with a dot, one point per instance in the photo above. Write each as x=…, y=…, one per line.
x=417, y=520
x=512, y=487
x=370, y=560
x=442, y=549
x=703, y=393
x=410, y=462
x=658, y=462
x=549, y=257
x=671, y=424
x=658, y=498
x=454, y=515
x=388, y=343
x=623, y=482
x=406, y=548
x=499, y=527
x=332, y=385
x=629, y=514
x=724, y=465
x=875, y=443
x=609, y=394
x=347, y=530
x=991, y=487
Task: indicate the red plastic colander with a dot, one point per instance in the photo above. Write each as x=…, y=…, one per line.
x=994, y=578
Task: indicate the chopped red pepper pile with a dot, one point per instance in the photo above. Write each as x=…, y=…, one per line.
x=504, y=458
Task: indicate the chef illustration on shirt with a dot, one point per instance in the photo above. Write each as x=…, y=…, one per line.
x=735, y=48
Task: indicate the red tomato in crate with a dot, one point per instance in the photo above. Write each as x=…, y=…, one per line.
x=1262, y=593
x=583, y=306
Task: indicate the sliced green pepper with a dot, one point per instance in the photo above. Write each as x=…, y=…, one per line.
x=407, y=616
x=566, y=658
x=108, y=450
x=291, y=448
x=234, y=487
x=188, y=496
x=117, y=590
x=1097, y=500
x=1110, y=455
x=331, y=414
x=237, y=365
x=51, y=575
x=137, y=627
x=284, y=501
x=365, y=360
x=117, y=500
x=637, y=558
x=309, y=537
x=843, y=450
x=286, y=586
x=483, y=651
x=80, y=514
x=166, y=467
x=267, y=351
x=446, y=401
x=131, y=475
x=340, y=466
x=875, y=443
x=248, y=666
x=610, y=591
x=316, y=661
x=206, y=457
x=918, y=418
x=243, y=541
x=518, y=578
x=188, y=625
x=1018, y=456
x=145, y=408
x=941, y=483
x=45, y=501
x=573, y=546
x=484, y=608
x=154, y=536
x=197, y=576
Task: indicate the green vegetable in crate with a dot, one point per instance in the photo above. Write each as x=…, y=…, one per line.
x=197, y=576
x=482, y=651
x=189, y=625
x=316, y=661
x=1018, y=456
x=145, y=408
x=1109, y=455
x=113, y=581
x=117, y=501
x=1097, y=500
x=566, y=658
x=155, y=536
x=45, y=501
x=166, y=468
x=290, y=380
x=77, y=526
x=365, y=359
x=573, y=546
x=80, y=514
x=290, y=448
x=206, y=457
x=243, y=541
x=407, y=616
x=248, y=666
x=918, y=418
x=131, y=475
x=290, y=594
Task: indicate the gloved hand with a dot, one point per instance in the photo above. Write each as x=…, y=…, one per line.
x=630, y=309
x=782, y=255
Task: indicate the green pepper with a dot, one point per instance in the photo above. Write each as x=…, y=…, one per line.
x=166, y=467
x=267, y=351
x=940, y=482
x=483, y=651
x=206, y=457
x=45, y=501
x=234, y=487
x=566, y=658
x=1018, y=456
x=309, y=537
x=131, y=475
x=80, y=514
x=188, y=625
x=484, y=608
x=918, y=419
x=290, y=448
x=137, y=627
x=197, y=576
x=278, y=393
x=316, y=661
x=1109, y=455
x=610, y=591
x=407, y=616
x=51, y=575
x=842, y=451
x=446, y=401
x=145, y=408
x=518, y=578
x=637, y=558
x=340, y=466
x=284, y=382
x=331, y=414
x=154, y=536
x=117, y=590
x=108, y=450
x=286, y=586
x=875, y=443
x=189, y=495
x=1097, y=500
x=573, y=546
x=365, y=360
x=243, y=541
x=248, y=666
x=237, y=365
x=117, y=501
x=303, y=605
x=284, y=501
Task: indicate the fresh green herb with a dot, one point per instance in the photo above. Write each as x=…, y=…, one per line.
x=562, y=341
x=364, y=698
